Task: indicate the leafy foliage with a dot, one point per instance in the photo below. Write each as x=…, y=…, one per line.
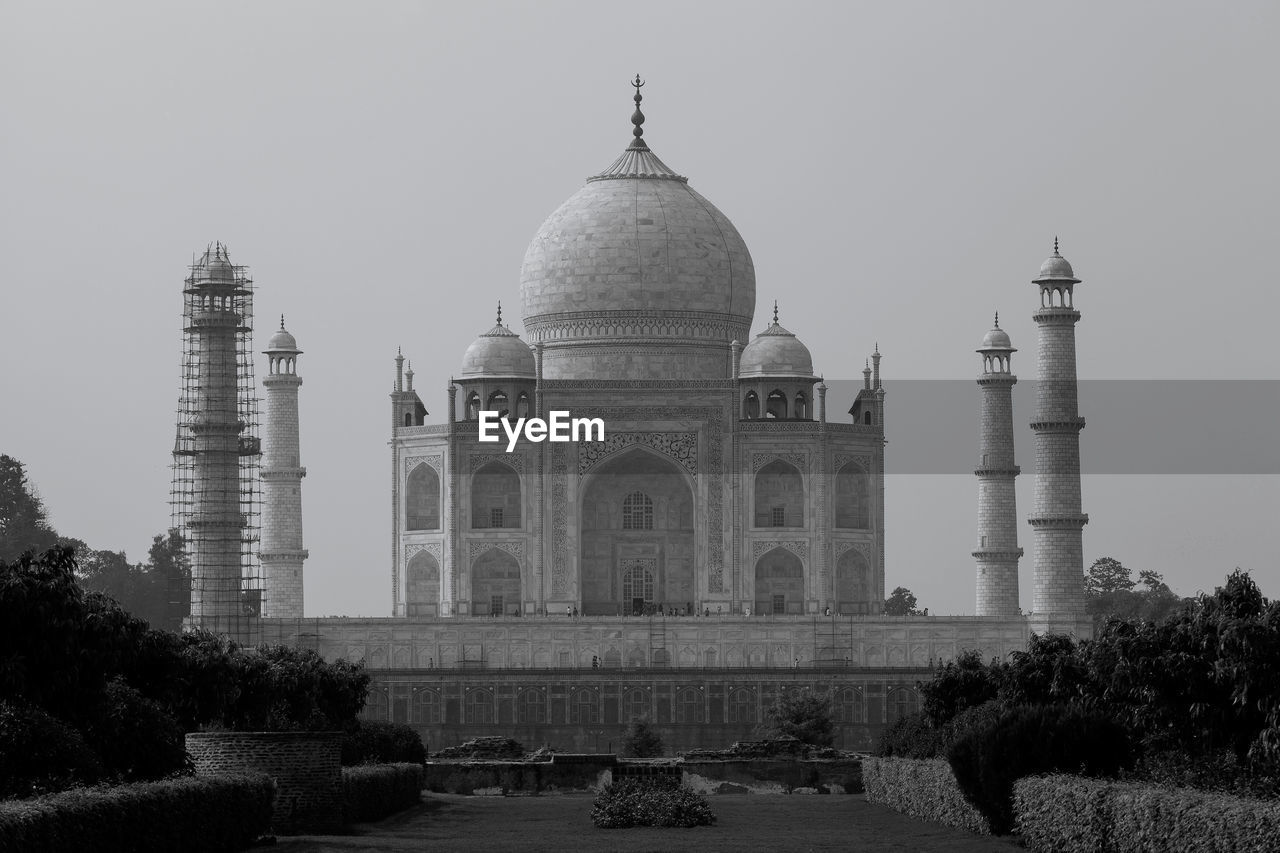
x=24, y=525
x=641, y=741
x=901, y=602
x=382, y=743
x=912, y=736
x=654, y=801
x=39, y=753
x=965, y=682
x=280, y=688
x=803, y=715
x=921, y=788
x=990, y=757
x=1110, y=592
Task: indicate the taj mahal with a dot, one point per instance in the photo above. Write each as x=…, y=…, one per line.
x=722, y=542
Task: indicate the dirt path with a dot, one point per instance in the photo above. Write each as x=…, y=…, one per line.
x=562, y=824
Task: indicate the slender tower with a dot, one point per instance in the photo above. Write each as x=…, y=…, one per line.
x=1057, y=521
x=998, y=551
x=216, y=452
x=282, y=553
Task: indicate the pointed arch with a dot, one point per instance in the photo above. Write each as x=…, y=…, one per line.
x=854, y=584
x=853, y=497
x=750, y=406
x=779, y=495
x=422, y=499
x=495, y=583
x=422, y=585
x=776, y=404
x=495, y=496
x=779, y=580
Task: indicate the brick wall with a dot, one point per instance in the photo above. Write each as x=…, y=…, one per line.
x=306, y=768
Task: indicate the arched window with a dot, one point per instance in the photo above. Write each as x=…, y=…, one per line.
x=902, y=702
x=473, y=406
x=408, y=418
x=776, y=405
x=522, y=405
x=802, y=406
x=532, y=707
x=779, y=582
x=637, y=582
x=779, y=495
x=495, y=583
x=422, y=585
x=495, y=497
x=635, y=705
x=847, y=706
x=377, y=706
x=742, y=706
x=479, y=708
x=853, y=497
x=866, y=418
x=750, y=406
x=637, y=512
x=422, y=499
x=498, y=403
x=584, y=710
x=689, y=706
x=427, y=707
x=853, y=583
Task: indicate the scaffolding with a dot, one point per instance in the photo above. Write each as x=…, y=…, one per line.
x=215, y=497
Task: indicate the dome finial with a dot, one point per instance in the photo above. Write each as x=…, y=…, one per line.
x=775, y=312
x=1055, y=244
x=637, y=117
x=499, y=312
x=282, y=321
x=997, y=319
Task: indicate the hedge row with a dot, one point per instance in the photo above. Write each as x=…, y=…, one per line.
x=373, y=791
x=1065, y=814
x=196, y=815
x=923, y=788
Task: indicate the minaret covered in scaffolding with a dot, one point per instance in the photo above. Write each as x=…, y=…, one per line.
x=216, y=453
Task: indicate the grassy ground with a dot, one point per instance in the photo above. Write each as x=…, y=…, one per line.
x=556, y=824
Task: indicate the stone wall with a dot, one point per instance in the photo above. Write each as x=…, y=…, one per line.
x=305, y=766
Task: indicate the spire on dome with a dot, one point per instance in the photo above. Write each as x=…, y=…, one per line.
x=499, y=312
x=775, y=312
x=637, y=117
x=997, y=319
x=282, y=321
x=1055, y=245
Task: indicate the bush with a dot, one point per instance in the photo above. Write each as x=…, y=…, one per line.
x=654, y=801
x=1065, y=814
x=912, y=736
x=373, y=791
x=925, y=789
x=40, y=754
x=382, y=743
x=802, y=715
x=1025, y=741
x=641, y=741
x=206, y=815
x=134, y=737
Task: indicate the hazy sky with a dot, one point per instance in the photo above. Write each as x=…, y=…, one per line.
x=898, y=171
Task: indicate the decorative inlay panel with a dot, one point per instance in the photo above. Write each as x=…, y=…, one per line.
x=863, y=548
x=559, y=520
x=432, y=548
x=515, y=460
x=477, y=547
x=682, y=447
x=800, y=460
x=760, y=547
x=432, y=459
x=862, y=460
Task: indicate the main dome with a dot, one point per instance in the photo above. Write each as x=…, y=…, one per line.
x=637, y=276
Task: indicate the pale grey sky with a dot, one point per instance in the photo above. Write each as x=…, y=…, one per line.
x=897, y=170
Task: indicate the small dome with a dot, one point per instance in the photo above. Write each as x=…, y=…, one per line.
x=499, y=352
x=776, y=352
x=997, y=338
x=1056, y=268
x=282, y=340
x=215, y=266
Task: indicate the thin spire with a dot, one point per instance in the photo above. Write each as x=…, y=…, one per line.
x=775, y=312
x=997, y=319
x=281, y=322
x=499, y=312
x=637, y=117
x=1055, y=244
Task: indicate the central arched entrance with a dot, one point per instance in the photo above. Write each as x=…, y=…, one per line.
x=637, y=536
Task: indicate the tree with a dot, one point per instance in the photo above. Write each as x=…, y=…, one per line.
x=901, y=602
x=1110, y=592
x=960, y=684
x=641, y=741
x=803, y=715
x=1105, y=576
x=23, y=523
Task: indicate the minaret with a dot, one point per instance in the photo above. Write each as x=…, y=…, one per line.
x=1057, y=521
x=998, y=551
x=215, y=453
x=281, y=552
